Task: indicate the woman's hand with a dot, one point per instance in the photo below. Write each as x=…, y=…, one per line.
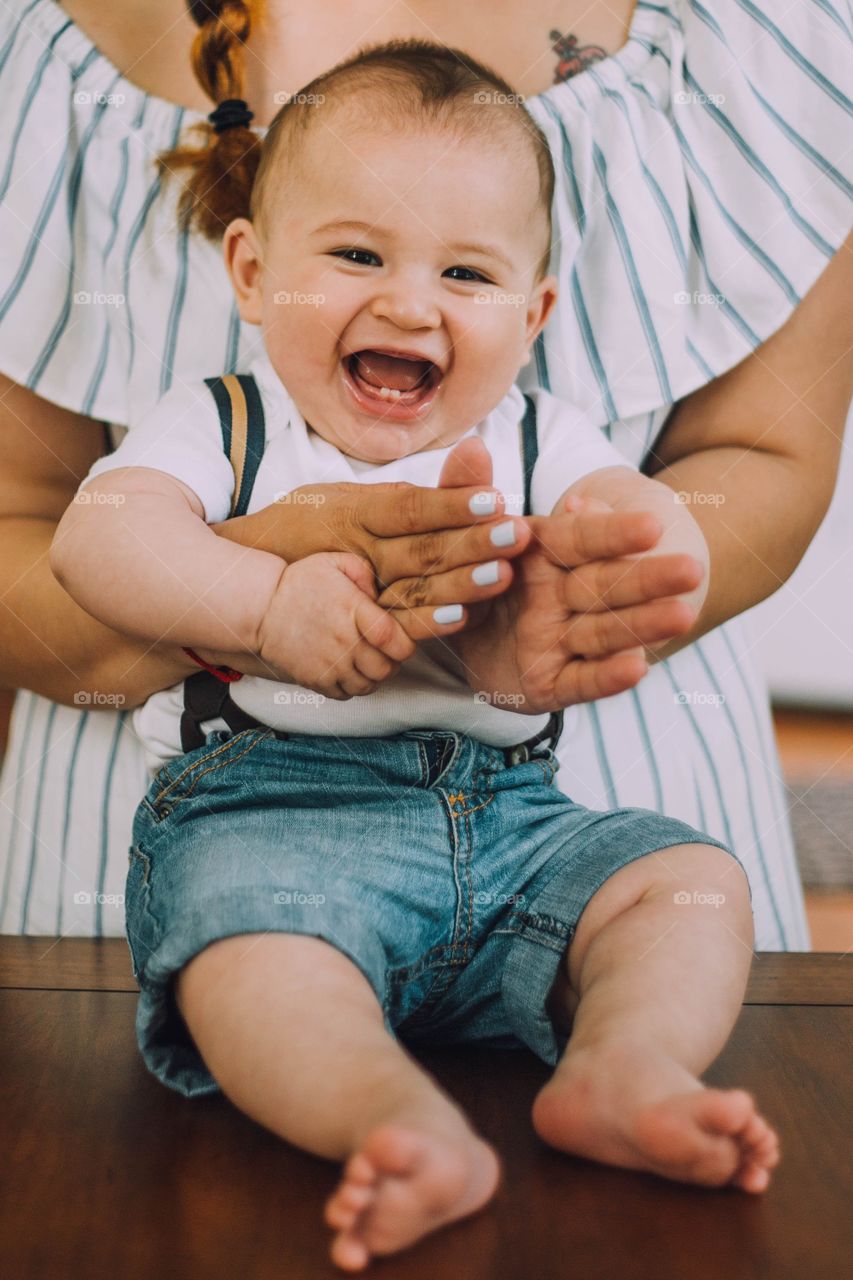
x=424, y=544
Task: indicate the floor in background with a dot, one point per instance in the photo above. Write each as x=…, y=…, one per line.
x=818, y=748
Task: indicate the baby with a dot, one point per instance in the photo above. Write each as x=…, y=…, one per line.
x=315, y=875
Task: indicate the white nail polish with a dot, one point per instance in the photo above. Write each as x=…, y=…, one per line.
x=486, y=575
x=503, y=535
x=448, y=613
x=483, y=504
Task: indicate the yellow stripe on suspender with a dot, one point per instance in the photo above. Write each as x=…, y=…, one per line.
x=239, y=433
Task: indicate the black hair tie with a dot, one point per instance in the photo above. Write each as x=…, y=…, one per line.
x=231, y=114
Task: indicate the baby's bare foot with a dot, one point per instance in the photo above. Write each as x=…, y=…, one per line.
x=403, y=1183
x=636, y=1108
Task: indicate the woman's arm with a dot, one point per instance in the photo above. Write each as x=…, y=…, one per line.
x=755, y=452
x=47, y=642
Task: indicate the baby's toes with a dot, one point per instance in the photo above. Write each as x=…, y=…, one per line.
x=757, y=1132
x=752, y=1177
x=349, y=1252
x=345, y=1205
x=730, y=1110
x=359, y=1169
x=760, y=1142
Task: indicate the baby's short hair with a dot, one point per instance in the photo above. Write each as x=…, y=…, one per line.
x=415, y=84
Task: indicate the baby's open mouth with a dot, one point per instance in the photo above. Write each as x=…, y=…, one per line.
x=391, y=379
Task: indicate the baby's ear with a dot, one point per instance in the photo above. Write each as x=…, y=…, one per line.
x=242, y=255
x=542, y=301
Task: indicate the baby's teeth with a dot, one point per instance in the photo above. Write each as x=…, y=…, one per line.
x=389, y=393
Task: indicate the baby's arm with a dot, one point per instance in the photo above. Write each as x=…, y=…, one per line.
x=134, y=550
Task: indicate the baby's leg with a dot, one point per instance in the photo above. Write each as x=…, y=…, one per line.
x=292, y=1031
x=654, y=983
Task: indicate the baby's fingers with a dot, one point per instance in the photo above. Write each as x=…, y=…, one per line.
x=372, y=663
x=574, y=539
x=382, y=632
x=595, y=634
x=587, y=679
x=614, y=584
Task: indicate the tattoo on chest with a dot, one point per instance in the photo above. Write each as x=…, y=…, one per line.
x=572, y=58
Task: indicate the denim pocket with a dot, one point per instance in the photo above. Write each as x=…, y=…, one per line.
x=177, y=780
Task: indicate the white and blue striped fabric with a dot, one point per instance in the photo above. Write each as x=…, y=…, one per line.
x=703, y=182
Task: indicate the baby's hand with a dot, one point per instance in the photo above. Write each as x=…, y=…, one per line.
x=587, y=597
x=322, y=628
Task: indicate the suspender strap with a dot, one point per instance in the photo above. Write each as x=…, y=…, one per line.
x=206, y=698
x=529, y=454
x=241, y=420
x=529, y=450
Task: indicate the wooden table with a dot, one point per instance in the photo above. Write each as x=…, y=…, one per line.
x=108, y=1174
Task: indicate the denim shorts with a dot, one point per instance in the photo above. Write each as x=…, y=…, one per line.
x=453, y=880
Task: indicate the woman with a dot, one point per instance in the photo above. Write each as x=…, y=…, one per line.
x=695, y=210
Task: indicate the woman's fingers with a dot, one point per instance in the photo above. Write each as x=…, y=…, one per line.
x=574, y=539
x=440, y=550
x=593, y=635
x=457, y=586
x=430, y=623
x=398, y=510
x=613, y=584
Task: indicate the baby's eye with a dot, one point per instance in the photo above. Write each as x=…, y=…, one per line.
x=469, y=274
x=365, y=253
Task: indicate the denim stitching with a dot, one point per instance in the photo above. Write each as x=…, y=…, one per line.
x=145, y=910
x=548, y=770
x=212, y=756
x=223, y=746
x=145, y=860
x=464, y=942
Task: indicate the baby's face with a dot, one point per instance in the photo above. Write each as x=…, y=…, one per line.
x=396, y=286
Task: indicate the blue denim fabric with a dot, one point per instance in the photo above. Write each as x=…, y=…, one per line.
x=452, y=880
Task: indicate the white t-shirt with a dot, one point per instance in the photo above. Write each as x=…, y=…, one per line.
x=181, y=435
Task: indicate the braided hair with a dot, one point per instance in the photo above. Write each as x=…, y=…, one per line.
x=219, y=170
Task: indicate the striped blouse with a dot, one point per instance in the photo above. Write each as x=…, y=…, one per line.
x=703, y=182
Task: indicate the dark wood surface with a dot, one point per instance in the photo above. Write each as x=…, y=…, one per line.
x=103, y=964
x=105, y=1173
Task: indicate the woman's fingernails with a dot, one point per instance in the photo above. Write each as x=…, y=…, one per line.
x=483, y=504
x=503, y=535
x=486, y=575
x=447, y=613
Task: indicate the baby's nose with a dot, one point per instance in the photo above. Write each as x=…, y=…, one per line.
x=406, y=306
